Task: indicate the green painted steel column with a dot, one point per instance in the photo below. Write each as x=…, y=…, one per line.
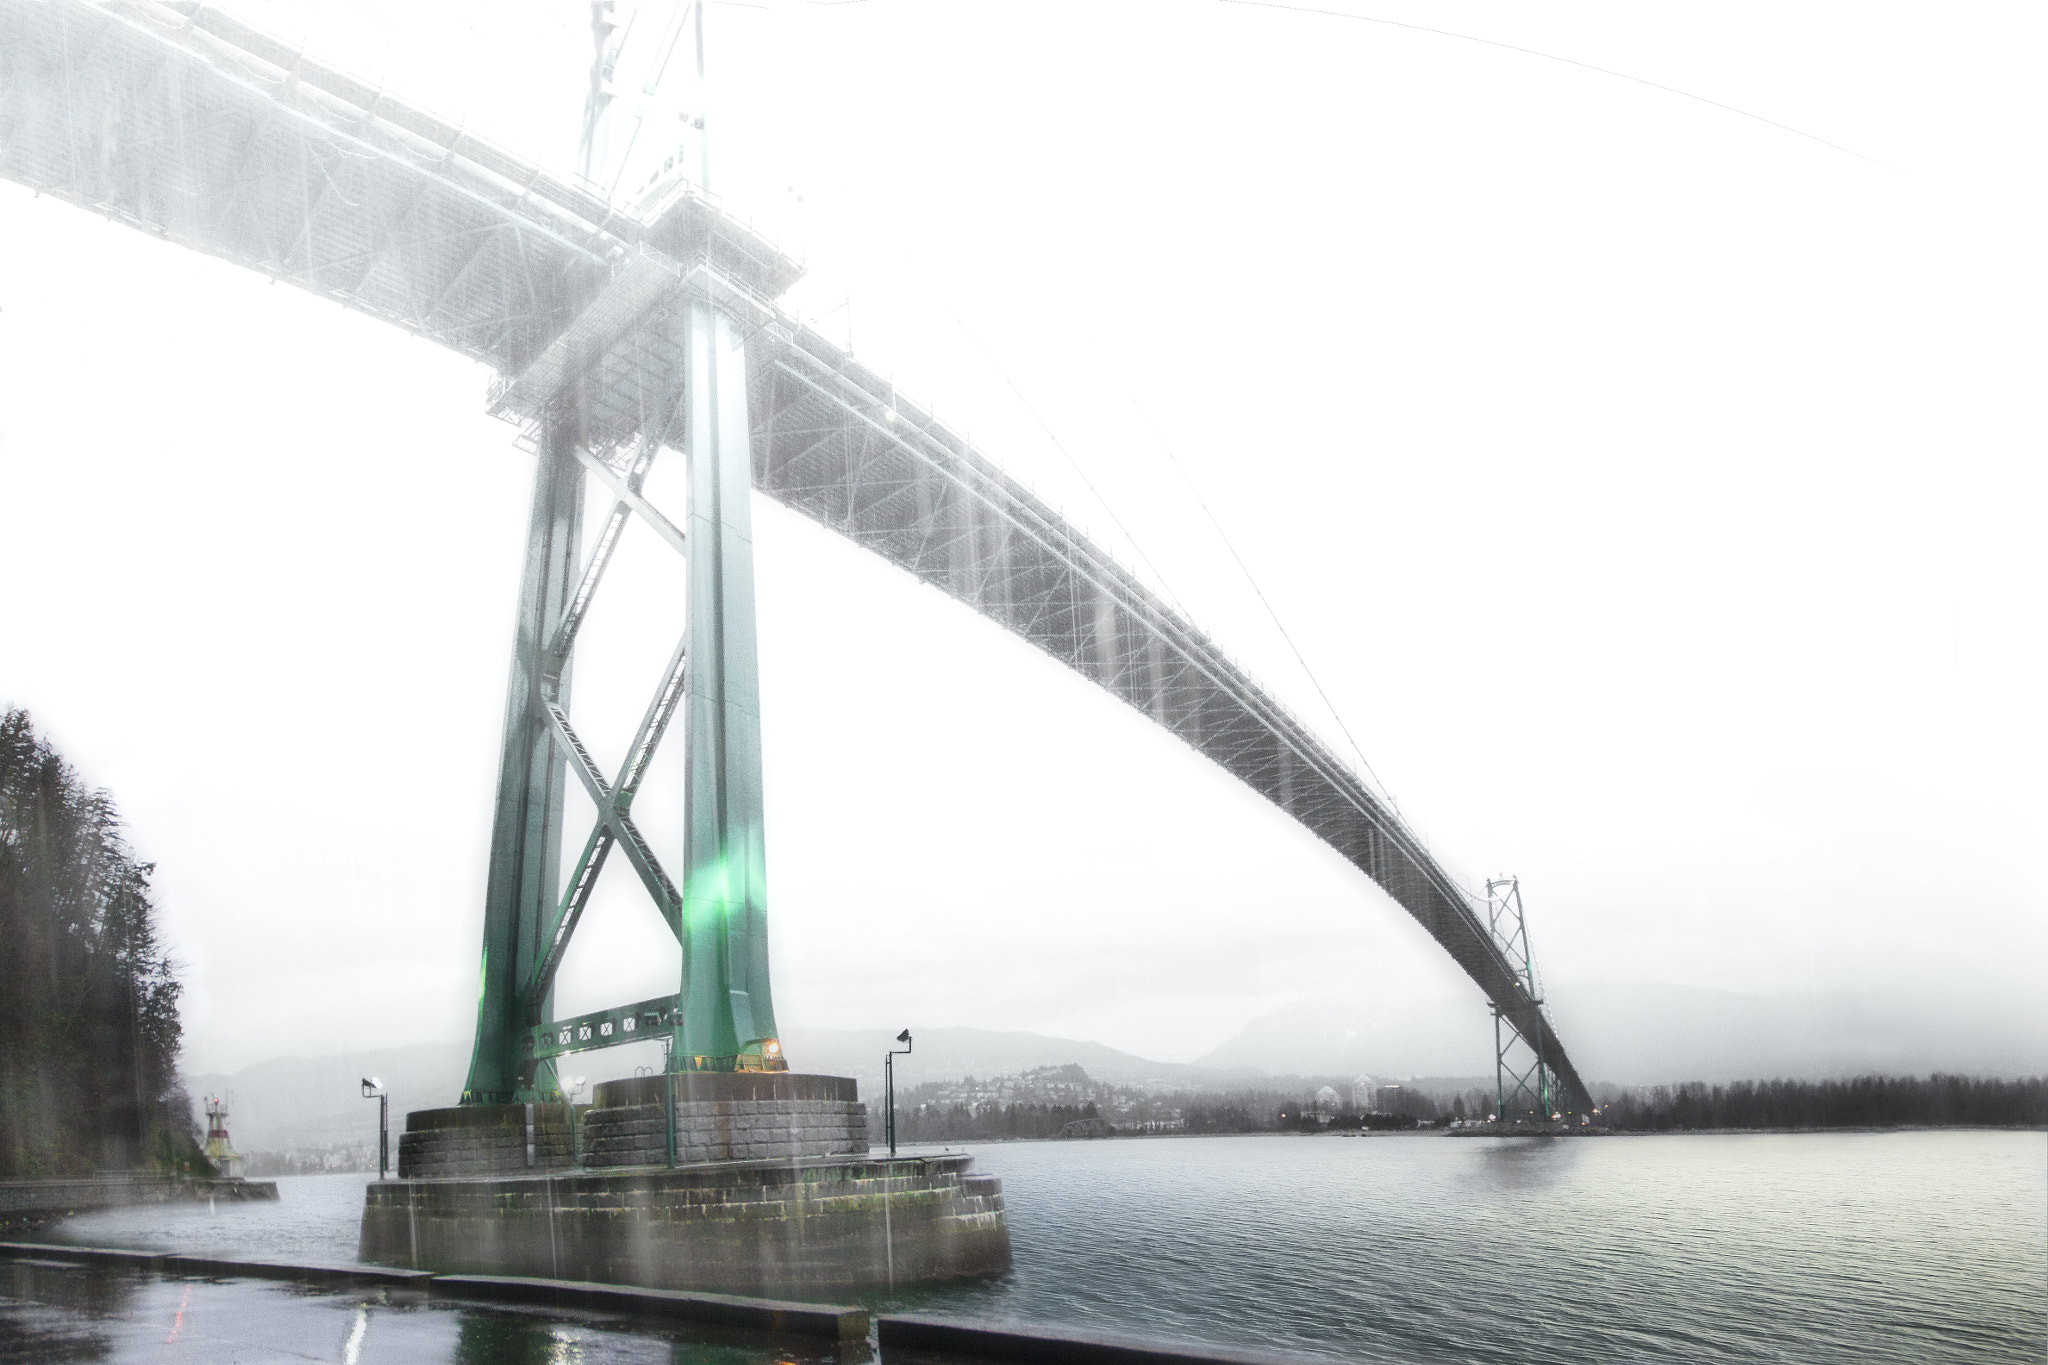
x=526, y=828
x=727, y=1020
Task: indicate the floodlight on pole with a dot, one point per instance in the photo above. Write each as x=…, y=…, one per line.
x=373, y=1089
x=889, y=1083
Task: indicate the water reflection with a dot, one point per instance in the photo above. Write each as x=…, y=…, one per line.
x=487, y=1338
x=1522, y=1166
x=53, y=1312
x=59, y=1312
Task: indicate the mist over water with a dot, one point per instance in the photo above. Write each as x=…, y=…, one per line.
x=1904, y=1246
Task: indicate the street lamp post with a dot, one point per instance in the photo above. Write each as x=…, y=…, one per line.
x=668, y=1107
x=889, y=1082
x=373, y=1089
x=575, y=1084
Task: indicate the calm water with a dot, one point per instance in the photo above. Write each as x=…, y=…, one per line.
x=1809, y=1247
x=315, y=1220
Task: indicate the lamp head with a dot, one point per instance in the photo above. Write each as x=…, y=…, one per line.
x=903, y=1037
x=371, y=1085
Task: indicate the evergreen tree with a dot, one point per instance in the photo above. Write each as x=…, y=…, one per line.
x=88, y=1075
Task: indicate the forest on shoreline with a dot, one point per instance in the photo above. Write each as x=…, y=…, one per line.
x=88, y=1078
x=1863, y=1102
x=1860, y=1102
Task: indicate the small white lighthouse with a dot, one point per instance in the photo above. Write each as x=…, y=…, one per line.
x=219, y=1150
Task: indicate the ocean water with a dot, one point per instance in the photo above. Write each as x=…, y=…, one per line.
x=1922, y=1246
x=1914, y=1246
x=315, y=1220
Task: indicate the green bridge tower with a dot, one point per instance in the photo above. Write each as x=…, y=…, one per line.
x=721, y=1017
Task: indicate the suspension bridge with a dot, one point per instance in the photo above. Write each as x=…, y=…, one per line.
x=615, y=333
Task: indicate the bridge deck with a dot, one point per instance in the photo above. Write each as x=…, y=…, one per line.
x=189, y=125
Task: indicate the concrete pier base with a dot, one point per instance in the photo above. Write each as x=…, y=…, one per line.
x=795, y=1228
x=789, y=1204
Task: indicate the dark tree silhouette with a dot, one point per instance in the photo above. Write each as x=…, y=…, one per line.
x=1860, y=1102
x=88, y=1071
x=938, y=1112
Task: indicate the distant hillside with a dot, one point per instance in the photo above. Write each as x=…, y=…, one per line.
x=293, y=1103
x=1646, y=1033
x=945, y=1054
x=1641, y=1032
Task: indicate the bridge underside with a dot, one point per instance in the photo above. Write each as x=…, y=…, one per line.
x=186, y=124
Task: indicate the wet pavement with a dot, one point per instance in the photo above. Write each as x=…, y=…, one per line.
x=54, y=1311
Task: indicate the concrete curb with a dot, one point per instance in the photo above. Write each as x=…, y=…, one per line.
x=141, y=1260
x=1057, y=1346
x=177, y=1263
x=779, y=1317
x=276, y=1270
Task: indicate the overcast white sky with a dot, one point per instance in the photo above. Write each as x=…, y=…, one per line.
x=1655, y=490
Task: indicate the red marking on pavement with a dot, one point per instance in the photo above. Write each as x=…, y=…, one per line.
x=178, y=1323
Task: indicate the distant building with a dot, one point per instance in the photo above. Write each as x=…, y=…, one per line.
x=1365, y=1095
x=1326, y=1101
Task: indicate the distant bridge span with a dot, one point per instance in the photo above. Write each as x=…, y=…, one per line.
x=189, y=125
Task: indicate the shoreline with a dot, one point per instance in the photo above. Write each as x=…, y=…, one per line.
x=960, y=1144
x=1861, y=1128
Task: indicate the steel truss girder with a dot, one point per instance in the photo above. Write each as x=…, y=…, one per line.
x=836, y=443
x=195, y=127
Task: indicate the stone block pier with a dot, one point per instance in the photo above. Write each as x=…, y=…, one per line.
x=771, y=1189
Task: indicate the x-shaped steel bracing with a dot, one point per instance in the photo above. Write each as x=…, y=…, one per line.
x=1518, y=1089
x=613, y=799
